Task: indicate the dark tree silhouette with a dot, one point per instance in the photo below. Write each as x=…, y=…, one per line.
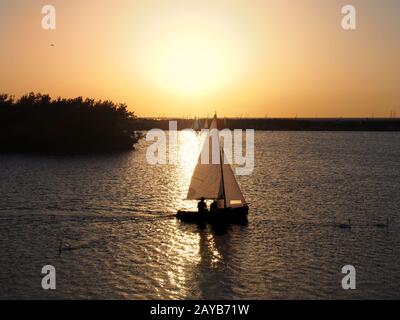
x=37, y=123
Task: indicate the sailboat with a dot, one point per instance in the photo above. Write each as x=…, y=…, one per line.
x=205, y=125
x=196, y=124
x=215, y=181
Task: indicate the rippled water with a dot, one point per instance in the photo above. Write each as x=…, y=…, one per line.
x=115, y=212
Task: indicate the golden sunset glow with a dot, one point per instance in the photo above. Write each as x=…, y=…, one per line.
x=184, y=58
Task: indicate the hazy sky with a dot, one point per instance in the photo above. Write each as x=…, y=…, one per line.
x=191, y=57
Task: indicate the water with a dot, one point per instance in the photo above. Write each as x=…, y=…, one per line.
x=115, y=212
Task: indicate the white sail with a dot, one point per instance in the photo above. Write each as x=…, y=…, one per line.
x=214, y=180
x=206, y=178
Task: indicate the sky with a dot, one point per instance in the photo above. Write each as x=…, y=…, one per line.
x=184, y=58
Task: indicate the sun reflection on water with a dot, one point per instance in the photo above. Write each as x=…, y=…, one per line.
x=186, y=249
x=216, y=256
x=189, y=144
x=183, y=250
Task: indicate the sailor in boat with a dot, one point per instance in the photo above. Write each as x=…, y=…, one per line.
x=214, y=206
x=202, y=206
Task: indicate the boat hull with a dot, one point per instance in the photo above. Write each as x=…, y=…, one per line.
x=222, y=216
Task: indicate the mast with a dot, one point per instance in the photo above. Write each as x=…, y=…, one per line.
x=222, y=176
x=221, y=163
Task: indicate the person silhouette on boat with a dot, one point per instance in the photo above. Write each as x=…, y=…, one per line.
x=214, y=206
x=202, y=206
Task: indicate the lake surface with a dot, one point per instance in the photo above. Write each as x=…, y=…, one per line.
x=116, y=211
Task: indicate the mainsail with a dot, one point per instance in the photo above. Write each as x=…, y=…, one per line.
x=213, y=179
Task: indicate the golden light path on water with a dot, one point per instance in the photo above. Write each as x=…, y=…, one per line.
x=185, y=247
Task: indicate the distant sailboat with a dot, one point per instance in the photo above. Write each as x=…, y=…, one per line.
x=215, y=181
x=205, y=125
x=196, y=124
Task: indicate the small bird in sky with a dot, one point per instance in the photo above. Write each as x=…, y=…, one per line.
x=52, y=45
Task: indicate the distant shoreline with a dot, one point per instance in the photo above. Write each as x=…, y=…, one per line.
x=282, y=124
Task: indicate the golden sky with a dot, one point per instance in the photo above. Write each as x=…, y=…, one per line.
x=256, y=58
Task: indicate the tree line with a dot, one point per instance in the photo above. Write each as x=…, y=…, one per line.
x=37, y=123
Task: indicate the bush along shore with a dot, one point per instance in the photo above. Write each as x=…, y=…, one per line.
x=36, y=123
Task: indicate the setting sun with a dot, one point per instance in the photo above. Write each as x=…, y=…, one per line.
x=191, y=66
x=187, y=54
